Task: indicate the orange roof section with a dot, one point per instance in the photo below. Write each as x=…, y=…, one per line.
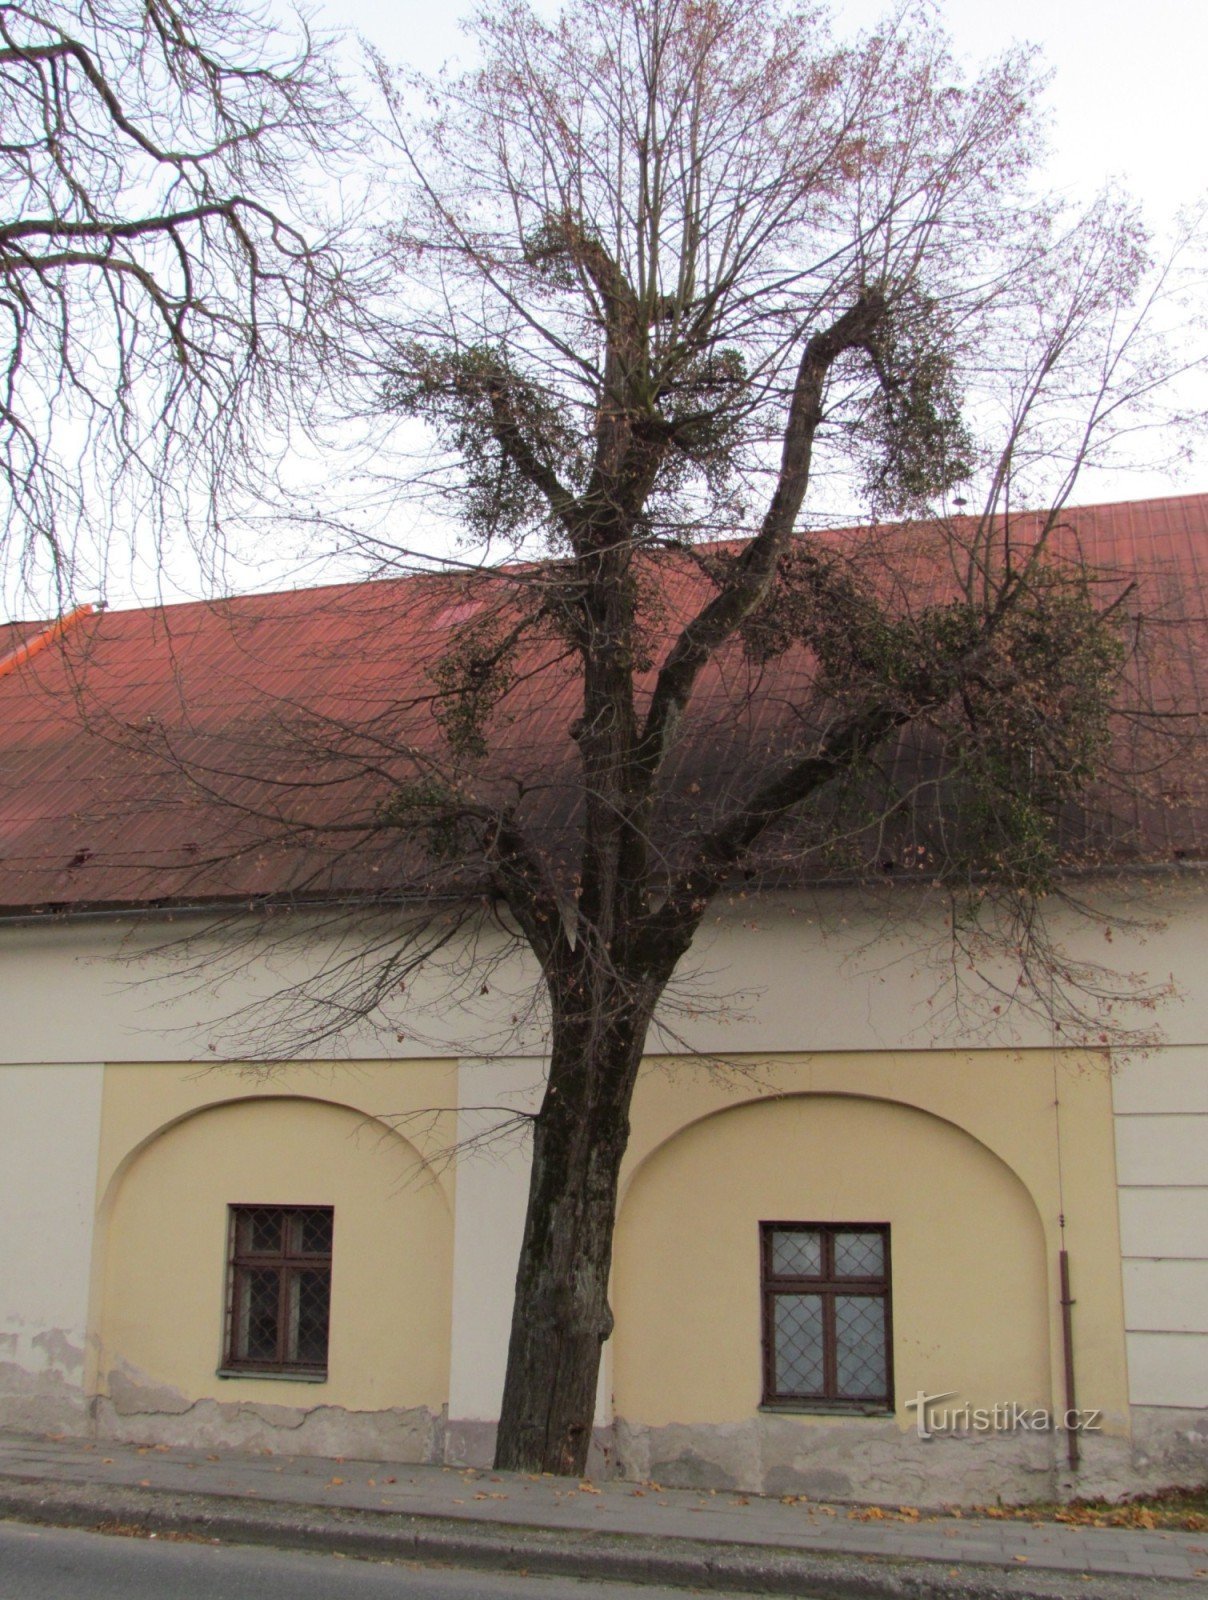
x=35, y=640
x=202, y=752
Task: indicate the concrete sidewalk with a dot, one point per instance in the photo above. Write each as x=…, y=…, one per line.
x=614, y=1530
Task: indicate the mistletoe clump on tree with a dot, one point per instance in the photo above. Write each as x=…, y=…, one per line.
x=667, y=263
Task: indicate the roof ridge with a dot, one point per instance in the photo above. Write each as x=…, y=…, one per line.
x=216, y=602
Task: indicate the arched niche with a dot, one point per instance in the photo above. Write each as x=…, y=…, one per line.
x=969, y=1283
x=161, y=1322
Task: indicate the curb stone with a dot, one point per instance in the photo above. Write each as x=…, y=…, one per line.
x=616, y=1557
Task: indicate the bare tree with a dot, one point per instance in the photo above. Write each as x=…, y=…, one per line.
x=167, y=278
x=660, y=255
x=667, y=266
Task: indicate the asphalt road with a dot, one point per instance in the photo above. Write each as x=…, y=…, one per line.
x=66, y=1564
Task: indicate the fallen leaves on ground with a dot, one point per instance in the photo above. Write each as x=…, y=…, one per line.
x=1178, y=1508
x=880, y=1513
x=135, y=1530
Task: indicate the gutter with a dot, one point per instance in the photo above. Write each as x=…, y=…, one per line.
x=166, y=911
x=215, y=908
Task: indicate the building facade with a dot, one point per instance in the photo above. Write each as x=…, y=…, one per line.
x=752, y=1350
x=882, y=1234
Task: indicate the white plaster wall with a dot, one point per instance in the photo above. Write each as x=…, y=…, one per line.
x=1161, y=1106
x=492, y=1194
x=492, y=1191
x=50, y=1123
x=873, y=970
x=1168, y=1370
x=830, y=971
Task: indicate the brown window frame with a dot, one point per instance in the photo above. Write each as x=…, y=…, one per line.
x=288, y=1264
x=827, y=1285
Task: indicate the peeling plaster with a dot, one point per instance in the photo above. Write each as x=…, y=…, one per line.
x=877, y=1462
x=139, y=1412
x=865, y=1460
x=472, y=1444
x=40, y=1402
x=131, y=1395
x=1170, y=1445
x=59, y=1350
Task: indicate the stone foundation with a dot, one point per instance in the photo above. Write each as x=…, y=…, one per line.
x=41, y=1383
x=866, y=1459
x=870, y=1460
x=874, y=1460
x=472, y=1444
x=1170, y=1446
x=140, y=1413
x=41, y=1402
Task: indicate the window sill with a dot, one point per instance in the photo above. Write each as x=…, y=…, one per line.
x=821, y=1408
x=273, y=1373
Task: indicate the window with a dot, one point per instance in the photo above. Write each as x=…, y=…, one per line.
x=826, y=1327
x=278, y=1290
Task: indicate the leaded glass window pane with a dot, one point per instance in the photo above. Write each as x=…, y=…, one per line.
x=860, y=1346
x=310, y=1232
x=259, y=1300
x=826, y=1320
x=796, y=1253
x=859, y=1255
x=279, y=1308
x=259, y=1231
x=799, y=1362
x=309, y=1299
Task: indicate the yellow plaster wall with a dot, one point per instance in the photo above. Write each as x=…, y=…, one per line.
x=176, y=1153
x=958, y=1151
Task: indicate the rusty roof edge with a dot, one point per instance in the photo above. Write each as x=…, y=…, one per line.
x=48, y=635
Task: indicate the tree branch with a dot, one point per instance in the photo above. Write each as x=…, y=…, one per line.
x=510, y=437
x=756, y=566
x=670, y=929
x=525, y=886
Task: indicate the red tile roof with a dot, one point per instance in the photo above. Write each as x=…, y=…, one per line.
x=184, y=752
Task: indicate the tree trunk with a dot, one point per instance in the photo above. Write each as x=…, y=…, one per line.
x=561, y=1316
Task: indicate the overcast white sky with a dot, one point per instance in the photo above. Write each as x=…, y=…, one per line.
x=1128, y=102
x=1129, y=96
